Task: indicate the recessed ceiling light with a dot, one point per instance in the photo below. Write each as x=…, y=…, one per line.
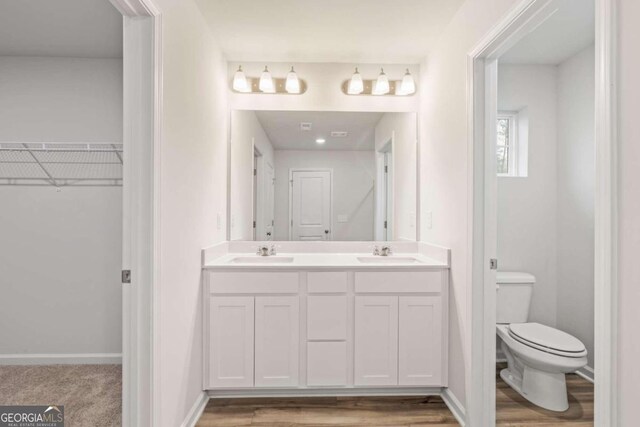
x=321, y=140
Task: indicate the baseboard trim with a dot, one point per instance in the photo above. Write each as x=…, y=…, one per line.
x=454, y=406
x=62, y=359
x=587, y=373
x=326, y=392
x=196, y=410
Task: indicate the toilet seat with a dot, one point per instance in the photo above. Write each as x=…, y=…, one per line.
x=547, y=339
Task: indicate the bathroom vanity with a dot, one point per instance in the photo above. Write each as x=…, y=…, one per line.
x=326, y=318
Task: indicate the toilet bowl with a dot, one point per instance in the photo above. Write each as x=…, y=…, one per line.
x=538, y=356
x=537, y=361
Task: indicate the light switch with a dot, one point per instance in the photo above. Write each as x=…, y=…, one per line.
x=343, y=218
x=428, y=219
x=219, y=221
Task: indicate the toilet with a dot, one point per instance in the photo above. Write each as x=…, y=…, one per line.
x=538, y=356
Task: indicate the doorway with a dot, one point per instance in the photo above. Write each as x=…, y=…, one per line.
x=483, y=75
x=310, y=204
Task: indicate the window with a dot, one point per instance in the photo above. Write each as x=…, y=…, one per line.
x=507, y=144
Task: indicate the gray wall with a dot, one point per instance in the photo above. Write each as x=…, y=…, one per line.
x=60, y=251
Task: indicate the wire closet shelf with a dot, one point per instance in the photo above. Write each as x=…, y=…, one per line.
x=60, y=164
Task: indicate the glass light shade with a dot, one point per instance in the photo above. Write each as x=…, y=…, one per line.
x=382, y=84
x=240, y=83
x=356, y=85
x=266, y=82
x=292, y=84
x=408, y=85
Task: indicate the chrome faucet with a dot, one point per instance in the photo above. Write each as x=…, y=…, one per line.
x=265, y=250
x=385, y=251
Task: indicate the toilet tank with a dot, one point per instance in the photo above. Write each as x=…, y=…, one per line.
x=514, y=291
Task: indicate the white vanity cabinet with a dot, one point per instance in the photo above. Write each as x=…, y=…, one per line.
x=302, y=329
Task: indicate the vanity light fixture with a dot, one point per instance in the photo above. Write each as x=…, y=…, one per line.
x=266, y=82
x=292, y=84
x=321, y=140
x=356, y=85
x=382, y=84
x=240, y=81
x=408, y=85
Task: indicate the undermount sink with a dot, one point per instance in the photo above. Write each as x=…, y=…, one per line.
x=262, y=259
x=389, y=260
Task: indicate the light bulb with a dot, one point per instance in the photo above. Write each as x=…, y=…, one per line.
x=356, y=86
x=382, y=84
x=408, y=85
x=240, y=81
x=292, y=84
x=266, y=82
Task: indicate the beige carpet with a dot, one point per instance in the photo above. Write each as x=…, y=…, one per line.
x=91, y=394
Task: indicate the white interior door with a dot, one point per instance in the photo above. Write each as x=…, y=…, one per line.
x=310, y=205
x=269, y=194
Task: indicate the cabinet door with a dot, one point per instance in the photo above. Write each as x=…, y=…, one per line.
x=231, y=342
x=420, y=341
x=376, y=340
x=277, y=342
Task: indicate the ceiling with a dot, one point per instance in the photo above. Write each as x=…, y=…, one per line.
x=73, y=28
x=283, y=129
x=353, y=31
x=569, y=30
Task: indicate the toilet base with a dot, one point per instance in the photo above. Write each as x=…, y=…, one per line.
x=544, y=389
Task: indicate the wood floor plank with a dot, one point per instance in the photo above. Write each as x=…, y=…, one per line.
x=341, y=411
x=512, y=410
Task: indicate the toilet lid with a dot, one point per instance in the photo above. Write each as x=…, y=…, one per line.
x=547, y=339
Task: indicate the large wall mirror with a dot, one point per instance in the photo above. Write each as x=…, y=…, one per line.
x=308, y=175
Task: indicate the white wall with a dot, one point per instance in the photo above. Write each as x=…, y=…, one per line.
x=353, y=189
x=403, y=128
x=527, y=206
x=193, y=176
x=60, y=259
x=575, y=187
x=628, y=93
x=60, y=251
x=246, y=131
x=46, y=99
x=444, y=167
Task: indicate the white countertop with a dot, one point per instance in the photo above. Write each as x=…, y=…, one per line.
x=324, y=260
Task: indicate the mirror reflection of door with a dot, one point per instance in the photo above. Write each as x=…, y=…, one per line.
x=269, y=187
x=263, y=197
x=256, y=191
x=384, y=196
x=310, y=199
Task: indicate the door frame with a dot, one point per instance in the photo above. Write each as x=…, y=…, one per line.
x=290, y=188
x=142, y=132
x=482, y=107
